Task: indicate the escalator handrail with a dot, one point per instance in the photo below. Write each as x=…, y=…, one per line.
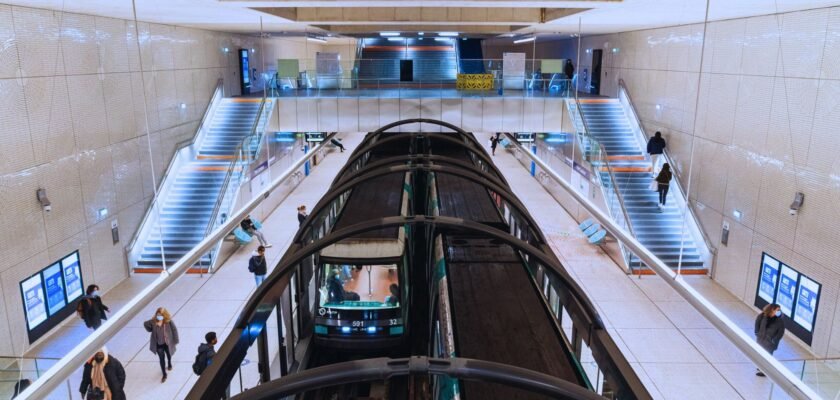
x=378, y=369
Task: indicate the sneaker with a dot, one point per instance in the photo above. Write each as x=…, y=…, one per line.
x=163, y=379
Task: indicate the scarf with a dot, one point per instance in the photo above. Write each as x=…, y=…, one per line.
x=97, y=377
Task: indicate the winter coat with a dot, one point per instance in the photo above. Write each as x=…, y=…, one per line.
x=301, y=218
x=664, y=177
x=171, y=335
x=93, y=311
x=655, y=145
x=769, y=332
x=114, y=375
x=247, y=225
x=206, y=352
x=257, y=264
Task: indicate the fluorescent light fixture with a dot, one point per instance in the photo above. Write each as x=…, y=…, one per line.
x=371, y=329
x=396, y=39
x=442, y=39
x=315, y=39
x=103, y=212
x=226, y=50
x=588, y=51
x=183, y=106
x=345, y=329
x=448, y=34
x=659, y=106
x=253, y=50
x=420, y=33
x=615, y=50
x=737, y=214
x=389, y=34
x=524, y=40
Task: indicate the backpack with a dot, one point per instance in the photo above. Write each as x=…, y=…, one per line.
x=200, y=363
x=80, y=307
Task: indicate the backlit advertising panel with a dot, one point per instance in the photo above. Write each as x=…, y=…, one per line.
x=34, y=304
x=786, y=294
x=72, y=276
x=769, y=278
x=54, y=285
x=806, y=303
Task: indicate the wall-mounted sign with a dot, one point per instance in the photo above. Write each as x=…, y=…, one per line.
x=796, y=294
x=49, y=295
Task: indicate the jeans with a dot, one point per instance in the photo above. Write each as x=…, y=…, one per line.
x=259, y=236
x=259, y=279
x=163, y=349
x=663, y=193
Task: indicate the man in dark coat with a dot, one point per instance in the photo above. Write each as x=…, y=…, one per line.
x=258, y=266
x=102, y=374
x=655, y=147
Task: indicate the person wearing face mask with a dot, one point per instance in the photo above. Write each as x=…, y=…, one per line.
x=103, y=378
x=163, y=340
x=91, y=309
x=769, y=329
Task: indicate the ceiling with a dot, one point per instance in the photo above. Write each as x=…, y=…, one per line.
x=470, y=17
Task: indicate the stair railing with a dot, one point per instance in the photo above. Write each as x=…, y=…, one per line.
x=608, y=186
x=243, y=156
x=182, y=149
x=638, y=129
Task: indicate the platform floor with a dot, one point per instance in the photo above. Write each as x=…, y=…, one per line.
x=198, y=304
x=675, y=350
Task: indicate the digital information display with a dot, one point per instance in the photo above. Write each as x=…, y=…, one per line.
x=806, y=303
x=787, y=289
x=54, y=283
x=769, y=278
x=33, y=301
x=49, y=295
x=72, y=277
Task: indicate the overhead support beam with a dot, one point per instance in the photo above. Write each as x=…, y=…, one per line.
x=362, y=30
x=409, y=15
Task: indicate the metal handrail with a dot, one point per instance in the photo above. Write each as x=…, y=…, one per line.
x=231, y=169
x=220, y=88
x=64, y=368
x=623, y=86
x=610, y=171
x=763, y=360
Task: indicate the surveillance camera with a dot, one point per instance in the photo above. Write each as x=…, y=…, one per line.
x=47, y=208
x=41, y=194
x=792, y=211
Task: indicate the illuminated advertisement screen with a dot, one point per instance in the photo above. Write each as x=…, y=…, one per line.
x=34, y=304
x=786, y=294
x=72, y=277
x=806, y=303
x=769, y=278
x=246, y=68
x=54, y=284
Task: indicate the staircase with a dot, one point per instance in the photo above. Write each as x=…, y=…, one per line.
x=662, y=232
x=188, y=204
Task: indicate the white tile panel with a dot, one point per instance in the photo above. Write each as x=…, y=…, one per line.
x=50, y=123
x=119, y=107
x=167, y=106
x=831, y=51
x=87, y=102
x=752, y=113
x=327, y=114
x=9, y=61
x=98, y=189
x=78, y=44
x=761, y=46
x=113, y=46
x=733, y=259
x=803, y=39
x=128, y=180
x=109, y=262
x=185, y=94
x=64, y=189
x=348, y=115
x=818, y=224
x=20, y=209
x=162, y=39
x=791, y=119
x=15, y=139
x=825, y=147
x=773, y=221
x=742, y=185
x=37, y=39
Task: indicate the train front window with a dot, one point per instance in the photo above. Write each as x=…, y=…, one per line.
x=359, y=286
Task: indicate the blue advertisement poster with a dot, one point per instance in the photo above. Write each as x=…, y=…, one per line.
x=806, y=303
x=787, y=289
x=55, y=288
x=72, y=276
x=769, y=278
x=33, y=301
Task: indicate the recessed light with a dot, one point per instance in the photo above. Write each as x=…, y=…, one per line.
x=524, y=40
x=737, y=214
x=389, y=34
x=448, y=34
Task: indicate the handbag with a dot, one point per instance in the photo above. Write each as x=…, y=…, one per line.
x=654, y=185
x=95, y=394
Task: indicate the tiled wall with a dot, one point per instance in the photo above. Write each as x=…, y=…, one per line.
x=765, y=127
x=72, y=121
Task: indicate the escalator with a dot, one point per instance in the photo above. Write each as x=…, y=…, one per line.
x=200, y=175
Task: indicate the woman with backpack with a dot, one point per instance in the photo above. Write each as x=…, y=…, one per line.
x=163, y=340
x=769, y=329
x=91, y=309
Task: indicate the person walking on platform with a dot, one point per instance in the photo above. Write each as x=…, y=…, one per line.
x=258, y=266
x=91, y=309
x=655, y=147
x=206, y=352
x=769, y=329
x=663, y=180
x=248, y=226
x=337, y=143
x=301, y=215
x=164, y=339
x=494, y=141
x=103, y=378
x=20, y=386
